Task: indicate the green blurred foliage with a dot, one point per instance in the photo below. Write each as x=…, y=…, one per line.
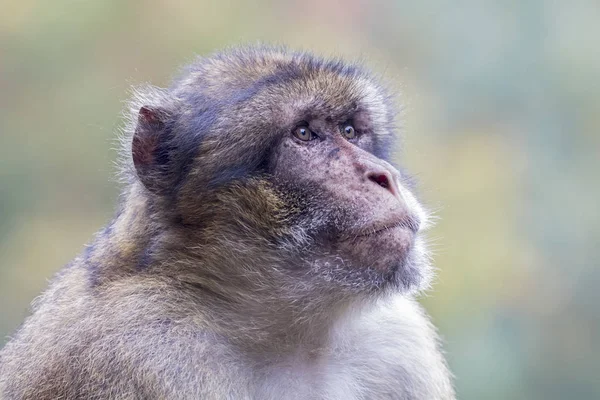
x=501, y=128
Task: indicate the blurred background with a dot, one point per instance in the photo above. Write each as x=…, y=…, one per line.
x=501, y=128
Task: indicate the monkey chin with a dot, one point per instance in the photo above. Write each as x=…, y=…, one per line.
x=388, y=259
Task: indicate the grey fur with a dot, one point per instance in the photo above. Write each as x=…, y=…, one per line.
x=232, y=270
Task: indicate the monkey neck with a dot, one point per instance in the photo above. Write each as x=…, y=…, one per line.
x=120, y=249
x=278, y=326
x=267, y=313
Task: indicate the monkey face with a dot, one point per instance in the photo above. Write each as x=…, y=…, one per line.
x=289, y=152
x=355, y=204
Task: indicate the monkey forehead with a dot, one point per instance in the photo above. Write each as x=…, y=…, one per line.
x=322, y=95
x=280, y=85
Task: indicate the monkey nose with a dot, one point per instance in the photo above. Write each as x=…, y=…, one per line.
x=384, y=178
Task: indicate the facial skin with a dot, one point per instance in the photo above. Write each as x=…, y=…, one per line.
x=363, y=220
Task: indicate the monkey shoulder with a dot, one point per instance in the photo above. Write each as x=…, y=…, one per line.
x=134, y=339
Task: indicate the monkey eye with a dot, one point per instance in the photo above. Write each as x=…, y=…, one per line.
x=349, y=132
x=304, y=134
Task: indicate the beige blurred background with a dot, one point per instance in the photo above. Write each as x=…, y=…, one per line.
x=501, y=129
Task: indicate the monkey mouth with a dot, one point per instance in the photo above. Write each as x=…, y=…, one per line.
x=396, y=229
x=374, y=231
x=409, y=223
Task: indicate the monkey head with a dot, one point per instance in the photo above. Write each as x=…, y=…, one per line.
x=284, y=157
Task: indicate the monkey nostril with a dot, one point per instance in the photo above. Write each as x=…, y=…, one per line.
x=380, y=179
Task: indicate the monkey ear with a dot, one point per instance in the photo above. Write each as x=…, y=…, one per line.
x=148, y=148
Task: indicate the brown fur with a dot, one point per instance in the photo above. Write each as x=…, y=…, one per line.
x=243, y=263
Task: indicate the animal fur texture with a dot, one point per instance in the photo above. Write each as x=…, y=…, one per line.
x=244, y=263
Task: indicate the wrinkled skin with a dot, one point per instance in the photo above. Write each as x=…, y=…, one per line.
x=365, y=219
